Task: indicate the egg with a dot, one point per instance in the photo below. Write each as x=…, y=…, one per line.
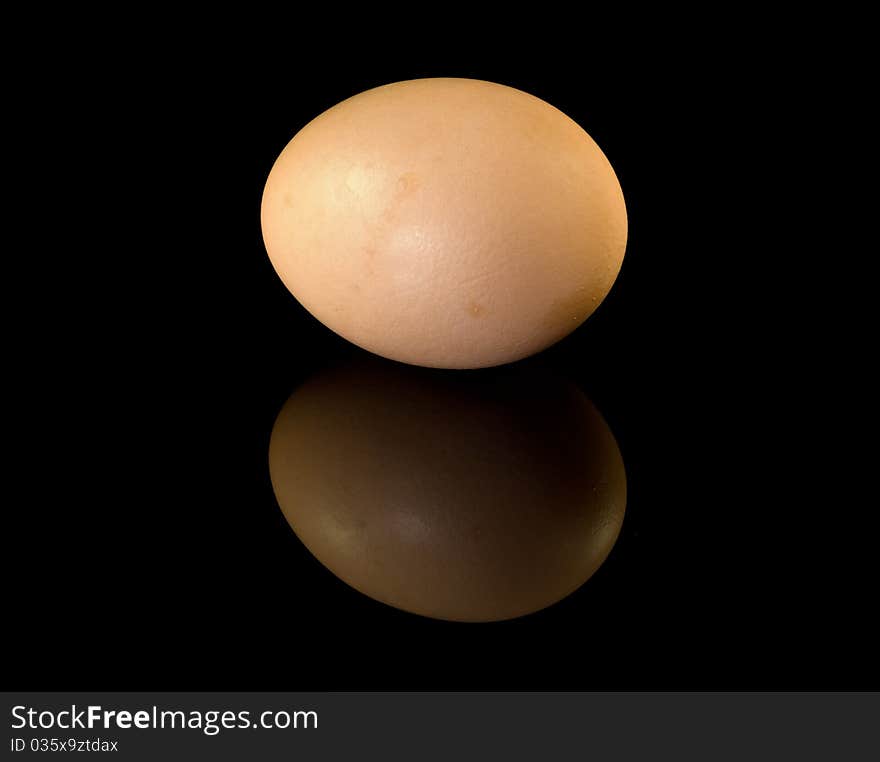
x=458, y=498
x=449, y=223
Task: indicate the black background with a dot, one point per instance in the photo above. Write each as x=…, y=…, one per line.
x=149, y=552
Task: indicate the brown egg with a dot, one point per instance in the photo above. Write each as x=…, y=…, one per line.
x=450, y=223
x=461, y=498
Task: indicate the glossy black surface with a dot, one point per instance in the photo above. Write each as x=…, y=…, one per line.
x=149, y=551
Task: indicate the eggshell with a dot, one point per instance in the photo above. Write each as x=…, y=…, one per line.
x=450, y=223
x=456, y=498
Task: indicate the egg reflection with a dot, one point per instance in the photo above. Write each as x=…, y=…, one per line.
x=461, y=496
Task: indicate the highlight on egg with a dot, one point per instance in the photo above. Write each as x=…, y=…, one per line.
x=449, y=223
x=466, y=497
